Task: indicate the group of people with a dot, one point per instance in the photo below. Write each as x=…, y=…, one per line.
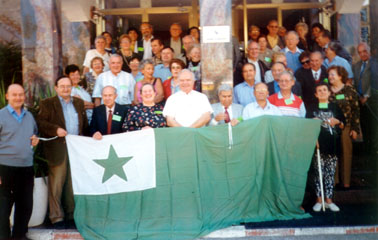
x=151, y=83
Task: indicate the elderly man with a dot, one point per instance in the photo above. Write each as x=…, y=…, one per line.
x=253, y=52
x=144, y=45
x=262, y=106
x=363, y=79
x=243, y=92
x=274, y=41
x=124, y=82
x=324, y=38
x=308, y=78
x=162, y=70
x=274, y=87
x=187, y=108
x=100, y=43
x=17, y=136
x=225, y=111
x=187, y=42
x=109, y=117
x=289, y=103
x=59, y=116
x=156, y=46
x=175, y=41
x=291, y=50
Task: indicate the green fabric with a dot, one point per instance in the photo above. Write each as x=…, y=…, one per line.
x=202, y=185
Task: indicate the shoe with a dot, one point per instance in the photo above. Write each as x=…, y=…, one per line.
x=59, y=225
x=333, y=207
x=317, y=207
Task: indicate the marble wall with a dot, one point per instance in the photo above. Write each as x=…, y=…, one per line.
x=349, y=32
x=10, y=21
x=216, y=58
x=49, y=43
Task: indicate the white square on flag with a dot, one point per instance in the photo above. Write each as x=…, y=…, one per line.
x=135, y=155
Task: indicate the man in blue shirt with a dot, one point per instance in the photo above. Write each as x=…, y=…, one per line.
x=17, y=136
x=291, y=51
x=162, y=70
x=243, y=92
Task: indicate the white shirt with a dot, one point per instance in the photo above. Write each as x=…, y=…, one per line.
x=107, y=111
x=124, y=83
x=317, y=73
x=187, y=108
x=229, y=110
x=147, y=48
x=258, y=72
x=92, y=53
x=253, y=110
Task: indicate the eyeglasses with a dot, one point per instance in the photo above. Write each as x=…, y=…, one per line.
x=304, y=62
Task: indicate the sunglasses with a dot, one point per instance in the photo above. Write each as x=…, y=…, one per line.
x=304, y=62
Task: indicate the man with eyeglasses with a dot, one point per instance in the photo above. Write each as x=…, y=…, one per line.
x=59, y=116
x=275, y=42
x=308, y=78
x=289, y=103
x=262, y=106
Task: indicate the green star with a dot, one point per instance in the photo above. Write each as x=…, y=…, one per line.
x=113, y=165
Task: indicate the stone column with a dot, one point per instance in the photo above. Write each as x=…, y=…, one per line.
x=349, y=32
x=41, y=46
x=216, y=57
x=373, y=27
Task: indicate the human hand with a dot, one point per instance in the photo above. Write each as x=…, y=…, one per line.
x=353, y=134
x=34, y=140
x=97, y=135
x=220, y=117
x=146, y=127
x=60, y=132
x=234, y=122
x=333, y=121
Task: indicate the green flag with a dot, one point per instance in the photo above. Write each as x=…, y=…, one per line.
x=200, y=184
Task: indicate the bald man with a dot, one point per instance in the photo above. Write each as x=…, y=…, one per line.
x=17, y=135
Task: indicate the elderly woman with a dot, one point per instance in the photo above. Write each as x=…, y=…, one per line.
x=125, y=52
x=147, y=69
x=73, y=73
x=97, y=66
x=265, y=54
x=134, y=66
x=194, y=64
x=171, y=85
x=146, y=114
x=100, y=43
x=347, y=99
x=304, y=39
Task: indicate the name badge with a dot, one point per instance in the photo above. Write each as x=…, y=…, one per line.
x=340, y=96
x=123, y=87
x=268, y=59
x=140, y=49
x=325, y=80
x=323, y=105
x=158, y=112
x=288, y=101
x=116, y=118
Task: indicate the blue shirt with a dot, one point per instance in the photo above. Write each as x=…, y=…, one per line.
x=293, y=58
x=71, y=117
x=15, y=115
x=243, y=94
x=339, y=61
x=162, y=72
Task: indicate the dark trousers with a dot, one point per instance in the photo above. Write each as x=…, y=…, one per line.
x=16, y=187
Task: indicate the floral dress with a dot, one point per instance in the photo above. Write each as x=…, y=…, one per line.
x=140, y=116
